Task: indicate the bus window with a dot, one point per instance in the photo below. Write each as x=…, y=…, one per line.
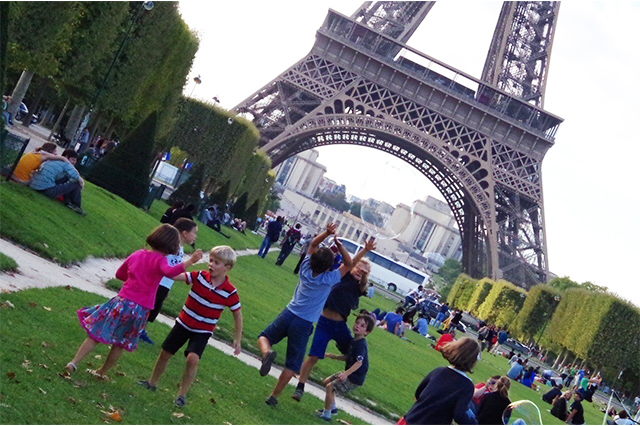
x=399, y=269
x=351, y=248
x=416, y=278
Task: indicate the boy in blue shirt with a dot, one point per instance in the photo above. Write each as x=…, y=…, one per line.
x=295, y=322
x=357, y=364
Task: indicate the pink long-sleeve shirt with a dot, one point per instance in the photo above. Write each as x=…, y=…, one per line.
x=141, y=273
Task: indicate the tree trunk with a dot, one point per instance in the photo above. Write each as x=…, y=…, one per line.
x=26, y=121
x=94, y=126
x=73, y=123
x=55, y=126
x=19, y=91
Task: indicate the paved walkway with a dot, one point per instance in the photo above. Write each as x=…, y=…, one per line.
x=36, y=272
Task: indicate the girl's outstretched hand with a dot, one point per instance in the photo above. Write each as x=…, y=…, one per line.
x=197, y=255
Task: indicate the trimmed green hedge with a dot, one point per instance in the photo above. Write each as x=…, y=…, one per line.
x=502, y=304
x=538, y=308
x=461, y=291
x=480, y=293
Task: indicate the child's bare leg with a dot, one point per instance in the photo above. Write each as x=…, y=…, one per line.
x=307, y=366
x=330, y=397
x=264, y=345
x=283, y=380
x=112, y=357
x=190, y=370
x=85, y=348
x=161, y=365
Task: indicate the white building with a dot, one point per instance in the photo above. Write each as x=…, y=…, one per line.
x=301, y=173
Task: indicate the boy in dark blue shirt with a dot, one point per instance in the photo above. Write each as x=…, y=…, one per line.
x=357, y=364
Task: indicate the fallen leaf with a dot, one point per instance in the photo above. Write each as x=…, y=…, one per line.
x=9, y=304
x=47, y=309
x=26, y=363
x=79, y=385
x=101, y=406
x=212, y=400
x=227, y=423
x=344, y=422
x=11, y=375
x=111, y=408
x=3, y=405
x=45, y=345
x=45, y=245
x=72, y=400
x=33, y=304
x=178, y=415
x=98, y=357
x=120, y=373
x=67, y=287
x=115, y=416
x=42, y=390
x=43, y=366
x=27, y=344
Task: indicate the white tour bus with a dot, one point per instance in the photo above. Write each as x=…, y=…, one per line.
x=396, y=276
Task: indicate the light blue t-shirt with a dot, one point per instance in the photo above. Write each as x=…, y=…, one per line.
x=421, y=325
x=312, y=292
x=392, y=320
x=50, y=172
x=173, y=259
x=515, y=371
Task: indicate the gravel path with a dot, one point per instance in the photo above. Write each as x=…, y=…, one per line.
x=91, y=275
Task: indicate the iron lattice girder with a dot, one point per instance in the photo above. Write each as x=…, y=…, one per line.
x=468, y=140
x=518, y=58
x=395, y=19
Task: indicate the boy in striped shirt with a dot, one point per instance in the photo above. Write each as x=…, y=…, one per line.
x=210, y=292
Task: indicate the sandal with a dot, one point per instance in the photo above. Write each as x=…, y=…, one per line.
x=71, y=367
x=97, y=375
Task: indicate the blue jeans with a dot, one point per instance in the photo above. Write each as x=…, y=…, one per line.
x=297, y=332
x=264, y=248
x=439, y=319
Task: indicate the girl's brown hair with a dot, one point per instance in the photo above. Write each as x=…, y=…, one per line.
x=165, y=239
x=503, y=386
x=462, y=354
x=47, y=147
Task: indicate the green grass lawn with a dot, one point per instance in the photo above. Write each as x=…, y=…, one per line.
x=7, y=264
x=112, y=227
x=396, y=366
x=40, y=334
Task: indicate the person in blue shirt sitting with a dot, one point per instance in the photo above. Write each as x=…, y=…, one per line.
x=59, y=178
x=421, y=325
x=393, y=321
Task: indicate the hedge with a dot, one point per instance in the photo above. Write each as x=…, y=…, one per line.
x=480, y=293
x=502, y=304
x=461, y=291
x=537, y=310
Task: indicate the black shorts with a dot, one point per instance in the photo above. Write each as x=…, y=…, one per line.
x=179, y=335
x=161, y=295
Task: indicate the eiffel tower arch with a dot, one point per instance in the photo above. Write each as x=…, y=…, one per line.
x=481, y=142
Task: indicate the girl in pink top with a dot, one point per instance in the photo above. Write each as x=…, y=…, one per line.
x=119, y=321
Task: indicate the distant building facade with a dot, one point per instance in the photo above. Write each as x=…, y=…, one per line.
x=301, y=173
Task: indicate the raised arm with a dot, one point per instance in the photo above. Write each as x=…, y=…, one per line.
x=331, y=229
x=347, y=263
x=46, y=156
x=368, y=246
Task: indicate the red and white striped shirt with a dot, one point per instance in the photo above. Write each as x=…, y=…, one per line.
x=205, y=302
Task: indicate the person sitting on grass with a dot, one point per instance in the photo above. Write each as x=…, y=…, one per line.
x=421, y=325
x=357, y=365
x=210, y=292
x=119, y=321
x=444, y=395
x=576, y=412
x=295, y=322
x=393, y=322
x=332, y=324
x=550, y=396
x=494, y=404
x=59, y=178
x=188, y=232
x=516, y=370
x=29, y=163
x=559, y=408
x=166, y=217
x=483, y=389
x=444, y=339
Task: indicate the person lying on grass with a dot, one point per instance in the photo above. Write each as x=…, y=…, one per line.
x=357, y=364
x=210, y=292
x=295, y=322
x=188, y=233
x=120, y=321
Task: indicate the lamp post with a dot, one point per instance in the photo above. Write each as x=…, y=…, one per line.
x=197, y=80
x=147, y=5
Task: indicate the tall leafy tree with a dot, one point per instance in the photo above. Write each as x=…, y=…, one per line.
x=239, y=208
x=189, y=191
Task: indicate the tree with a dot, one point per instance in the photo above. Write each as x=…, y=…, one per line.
x=189, y=191
x=125, y=170
x=562, y=283
x=355, y=209
x=221, y=195
x=336, y=201
x=450, y=270
x=252, y=215
x=239, y=208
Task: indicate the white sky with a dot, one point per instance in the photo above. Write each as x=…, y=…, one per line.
x=589, y=176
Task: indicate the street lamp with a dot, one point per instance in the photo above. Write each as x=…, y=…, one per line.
x=147, y=5
x=197, y=80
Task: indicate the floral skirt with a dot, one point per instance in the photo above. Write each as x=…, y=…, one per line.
x=116, y=322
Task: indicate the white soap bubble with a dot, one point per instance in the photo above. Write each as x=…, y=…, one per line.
x=522, y=412
x=385, y=217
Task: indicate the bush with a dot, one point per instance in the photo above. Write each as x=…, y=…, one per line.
x=461, y=291
x=125, y=170
x=502, y=304
x=239, y=208
x=536, y=311
x=480, y=293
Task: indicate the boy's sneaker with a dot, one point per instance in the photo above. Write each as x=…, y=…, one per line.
x=267, y=360
x=145, y=337
x=297, y=395
x=145, y=384
x=320, y=414
x=333, y=411
x=271, y=401
x=76, y=209
x=180, y=401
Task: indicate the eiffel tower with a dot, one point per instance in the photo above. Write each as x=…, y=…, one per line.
x=481, y=142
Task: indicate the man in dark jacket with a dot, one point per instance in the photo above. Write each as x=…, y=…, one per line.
x=273, y=234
